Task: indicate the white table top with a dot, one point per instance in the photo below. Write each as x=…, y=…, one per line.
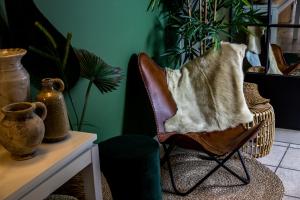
x=19, y=176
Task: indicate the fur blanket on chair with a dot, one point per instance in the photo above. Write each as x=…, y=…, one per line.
x=208, y=92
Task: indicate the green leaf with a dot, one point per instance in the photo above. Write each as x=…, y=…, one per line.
x=67, y=50
x=43, y=54
x=153, y=4
x=47, y=34
x=105, y=77
x=183, y=18
x=247, y=3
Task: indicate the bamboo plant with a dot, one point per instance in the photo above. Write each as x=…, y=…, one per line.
x=201, y=24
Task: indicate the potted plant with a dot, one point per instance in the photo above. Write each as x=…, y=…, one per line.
x=105, y=77
x=201, y=24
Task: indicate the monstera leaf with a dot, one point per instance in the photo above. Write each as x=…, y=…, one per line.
x=105, y=77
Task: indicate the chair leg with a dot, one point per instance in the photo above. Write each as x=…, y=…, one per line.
x=244, y=180
x=221, y=163
x=167, y=153
x=244, y=166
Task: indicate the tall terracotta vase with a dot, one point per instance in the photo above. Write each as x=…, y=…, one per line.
x=14, y=79
x=56, y=123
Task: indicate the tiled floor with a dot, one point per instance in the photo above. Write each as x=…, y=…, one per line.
x=285, y=35
x=286, y=42
x=284, y=160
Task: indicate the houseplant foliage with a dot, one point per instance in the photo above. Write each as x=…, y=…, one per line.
x=4, y=31
x=105, y=77
x=21, y=17
x=50, y=53
x=201, y=24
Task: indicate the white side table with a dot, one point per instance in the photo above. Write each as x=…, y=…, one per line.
x=54, y=164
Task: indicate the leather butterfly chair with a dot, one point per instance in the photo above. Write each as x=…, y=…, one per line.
x=215, y=144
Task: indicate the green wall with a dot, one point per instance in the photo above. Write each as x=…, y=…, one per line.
x=113, y=30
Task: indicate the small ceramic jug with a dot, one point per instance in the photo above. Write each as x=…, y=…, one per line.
x=22, y=128
x=56, y=123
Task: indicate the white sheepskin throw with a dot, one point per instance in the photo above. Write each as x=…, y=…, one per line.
x=208, y=92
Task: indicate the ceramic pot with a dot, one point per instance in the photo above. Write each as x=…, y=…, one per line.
x=56, y=123
x=14, y=79
x=21, y=129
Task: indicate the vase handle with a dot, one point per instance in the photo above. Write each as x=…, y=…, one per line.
x=41, y=109
x=60, y=83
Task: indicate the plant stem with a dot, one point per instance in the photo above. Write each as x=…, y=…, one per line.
x=200, y=19
x=205, y=21
x=67, y=49
x=215, y=10
x=44, y=54
x=71, y=126
x=73, y=107
x=189, y=42
x=85, y=104
x=47, y=34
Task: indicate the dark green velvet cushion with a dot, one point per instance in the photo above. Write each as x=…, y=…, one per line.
x=131, y=166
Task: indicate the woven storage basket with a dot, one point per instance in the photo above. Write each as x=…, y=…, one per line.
x=261, y=145
x=262, y=111
x=74, y=187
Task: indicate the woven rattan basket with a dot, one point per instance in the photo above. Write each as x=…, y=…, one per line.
x=74, y=187
x=262, y=111
x=261, y=145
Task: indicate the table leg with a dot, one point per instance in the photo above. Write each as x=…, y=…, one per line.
x=296, y=21
x=92, y=177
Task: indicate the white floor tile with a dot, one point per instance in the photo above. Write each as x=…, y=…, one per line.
x=290, y=179
x=290, y=198
x=271, y=168
x=284, y=144
x=287, y=135
x=297, y=146
x=274, y=157
x=291, y=159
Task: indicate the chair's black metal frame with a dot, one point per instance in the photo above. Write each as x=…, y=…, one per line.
x=221, y=163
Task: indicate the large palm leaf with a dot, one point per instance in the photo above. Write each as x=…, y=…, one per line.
x=105, y=77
